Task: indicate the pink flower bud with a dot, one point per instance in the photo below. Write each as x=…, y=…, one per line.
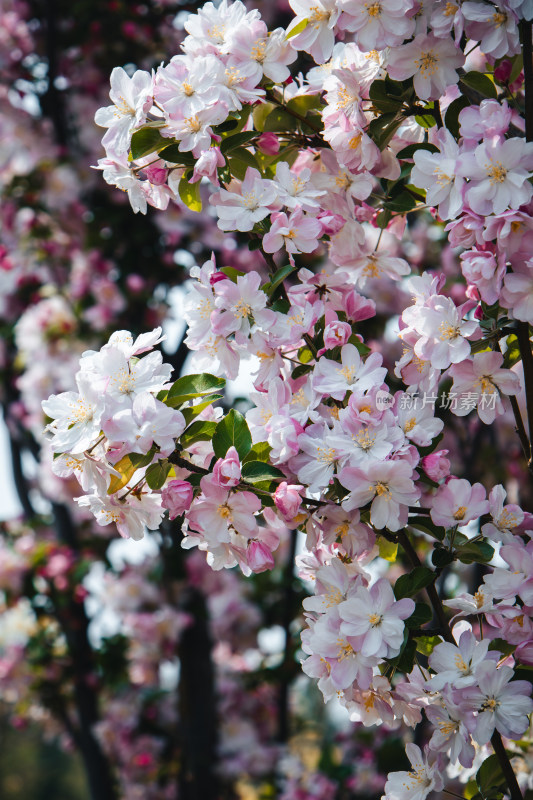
x=227, y=471
x=177, y=497
x=336, y=334
x=216, y=277
x=502, y=72
x=156, y=175
x=331, y=223
x=268, y=143
x=436, y=466
x=287, y=499
x=259, y=556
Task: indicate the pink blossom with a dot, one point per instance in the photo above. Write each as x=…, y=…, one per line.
x=458, y=502
x=436, y=466
x=288, y=499
x=176, y=497
x=336, y=334
x=259, y=557
x=227, y=471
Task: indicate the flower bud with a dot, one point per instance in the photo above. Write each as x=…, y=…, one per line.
x=331, y=223
x=177, y=497
x=287, y=499
x=259, y=556
x=227, y=471
x=436, y=466
x=268, y=143
x=336, y=334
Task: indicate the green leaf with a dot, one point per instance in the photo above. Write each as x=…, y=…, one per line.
x=420, y=616
x=303, y=103
x=512, y=354
x=489, y=775
x=192, y=411
x=240, y=161
x=425, y=525
x=199, y=431
x=280, y=120
x=190, y=194
x=259, y=452
x=190, y=386
x=480, y=83
x=278, y=278
x=441, y=557
x=362, y=348
x=126, y=468
x=412, y=583
x=426, y=644
x=232, y=273
x=146, y=141
x=411, y=149
x=427, y=120
x=256, y=471
x=475, y=552
x=301, y=26
x=173, y=154
x=451, y=119
x=387, y=550
x=156, y=474
x=305, y=355
x=232, y=431
x=236, y=140
x=260, y=113
x=402, y=202
x=382, y=129
x=383, y=99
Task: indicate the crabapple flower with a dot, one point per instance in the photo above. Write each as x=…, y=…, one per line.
x=432, y=62
x=131, y=514
x=388, y=485
x=517, y=292
x=296, y=190
x=458, y=502
x=504, y=519
x=288, y=500
x=451, y=735
x=240, y=306
x=436, y=465
x=176, y=497
x=377, y=25
x=457, y=665
x=148, y=420
x=76, y=418
x=334, y=379
x=416, y=784
x=240, y=210
x=132, y=99
x=497, y=174
x=443, y=332
x=480, y=381
x=297, y=233
x=496, y=29
x=485, y=271
x=376, y=618
x=227, y=470
x=501, y=703
x=317, y=38
x=436, y=173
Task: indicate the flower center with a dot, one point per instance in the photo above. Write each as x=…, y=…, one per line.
x=427, y=63
x=460, y=513
x=382, y=490
x=373, y=9
x=496, y=172
x=448, y=331
x=326, y=455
